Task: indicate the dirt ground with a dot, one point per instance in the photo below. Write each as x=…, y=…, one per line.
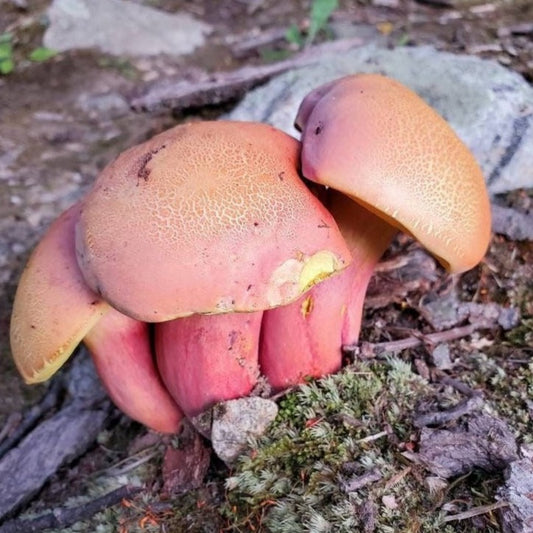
x=70, y=142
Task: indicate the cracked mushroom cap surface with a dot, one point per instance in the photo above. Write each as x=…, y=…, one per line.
x=378, y=142
x=207, y=217
x=53, y=308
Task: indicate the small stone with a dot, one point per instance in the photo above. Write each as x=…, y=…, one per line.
x=236, y=421
x=441, y=357
x=389, y=501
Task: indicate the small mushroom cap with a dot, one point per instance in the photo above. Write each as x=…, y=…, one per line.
x=207, y=217
x=376, y=141
x=53, y=307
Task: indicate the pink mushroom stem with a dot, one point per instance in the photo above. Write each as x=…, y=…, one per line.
x=205, y=359
x=305, y=339
x=121, y=351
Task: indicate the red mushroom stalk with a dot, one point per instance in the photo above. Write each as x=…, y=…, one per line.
x=122, y=354
x=304, y=339
x=205, y=359
x=384, y=148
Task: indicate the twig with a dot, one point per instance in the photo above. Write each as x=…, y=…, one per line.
x=63, y=517
x=367, y=349
x=459, y=386
x=437, y=418
x=12, y=422
x=371, y=438
x=475, y=511
x=257, y=40
x=358, y=482
x=49, y=401
x=227, y=86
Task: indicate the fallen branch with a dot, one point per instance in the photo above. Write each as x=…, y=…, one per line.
x=439, y=418
x=50, y=441
x=30, y=419
x=369, y=350
x=66, y=516
x=54, y=442
x=224, y=87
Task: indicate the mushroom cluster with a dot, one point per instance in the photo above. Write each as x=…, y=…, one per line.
x=200, y=259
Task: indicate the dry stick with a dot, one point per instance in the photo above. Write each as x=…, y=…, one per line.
x=66, y=516
x=49, y=401
x=227, y=86
x=244, y=46
x=475, y=511
x=438, y=418
x=356, y=483
x=368, y=349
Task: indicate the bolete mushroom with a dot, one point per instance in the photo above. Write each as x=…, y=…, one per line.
x=54, y=311
x=209, y=217
x=399, y=165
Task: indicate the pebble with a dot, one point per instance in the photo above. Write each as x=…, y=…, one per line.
x=236, y=421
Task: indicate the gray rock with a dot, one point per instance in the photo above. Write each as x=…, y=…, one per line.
x=236, y=421
x=121, y=28
x=511, y=223
x=517, y=517
x=489, y=106
x=455, y=451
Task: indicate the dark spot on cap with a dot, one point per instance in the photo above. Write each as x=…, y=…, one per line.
x=143, y=172
x=319, y=128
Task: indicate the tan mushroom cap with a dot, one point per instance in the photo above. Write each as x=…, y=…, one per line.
x=53, y=308
x=379, y=143
x=206, y=217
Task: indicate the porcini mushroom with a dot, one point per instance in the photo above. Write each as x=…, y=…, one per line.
x=206, y=218
x=54, y=311
x=400, y=164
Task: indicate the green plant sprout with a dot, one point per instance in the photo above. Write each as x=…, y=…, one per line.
x=7, y=58
x=320, y=13
x=42, y=53
x=6, y=53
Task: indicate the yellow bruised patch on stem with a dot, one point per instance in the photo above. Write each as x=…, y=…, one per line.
x=307, y=306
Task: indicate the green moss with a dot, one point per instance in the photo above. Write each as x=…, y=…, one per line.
x=302, y=476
